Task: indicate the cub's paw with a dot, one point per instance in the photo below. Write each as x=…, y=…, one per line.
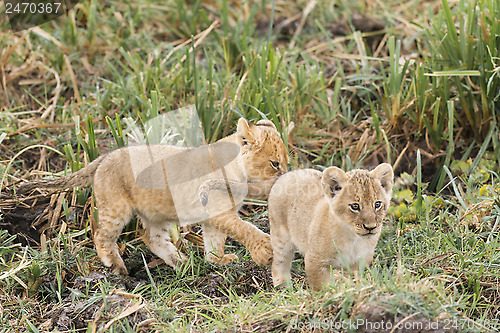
x=280, y=283
x=262, y=251
x=225, y=259
x=119, y=269
x=228, y=258
x=115, y=263
x=177, y=260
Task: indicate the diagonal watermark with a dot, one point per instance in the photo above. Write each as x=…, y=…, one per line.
x=170, y=155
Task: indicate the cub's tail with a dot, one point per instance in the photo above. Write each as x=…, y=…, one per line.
x=82, y=177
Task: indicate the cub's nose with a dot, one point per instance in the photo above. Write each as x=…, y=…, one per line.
x=369, y=228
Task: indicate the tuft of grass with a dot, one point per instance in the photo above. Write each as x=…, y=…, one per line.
x=464, y=49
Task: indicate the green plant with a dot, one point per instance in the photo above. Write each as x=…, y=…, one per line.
x=464, y=49
x=87, y=139
x=397, y=96
x=7, y=246
x=116, y=131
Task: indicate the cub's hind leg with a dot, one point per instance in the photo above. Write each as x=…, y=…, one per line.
x=157, y=238
x=112, y=219
x=317, y=270
x=214, y=241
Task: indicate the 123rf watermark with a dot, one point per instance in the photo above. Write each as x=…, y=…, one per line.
x=353, y=325
x=25, y=14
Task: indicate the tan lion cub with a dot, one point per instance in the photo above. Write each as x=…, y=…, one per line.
x=259, y=156
x=334, y=218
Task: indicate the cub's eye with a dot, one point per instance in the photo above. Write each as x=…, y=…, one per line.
x=378, y=204
x=275, y=165
x=354, y=206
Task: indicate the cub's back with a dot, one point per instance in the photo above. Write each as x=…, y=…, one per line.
x=294, y=196
x=297, y=185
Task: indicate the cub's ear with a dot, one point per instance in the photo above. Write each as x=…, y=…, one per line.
x=385, y=174
x=245, y=132
x=265, y=122
x=333, y=181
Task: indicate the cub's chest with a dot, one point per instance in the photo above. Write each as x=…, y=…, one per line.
x=356, y=250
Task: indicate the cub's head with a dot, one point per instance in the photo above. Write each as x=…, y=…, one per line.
x=264, y=153
x=360, y=197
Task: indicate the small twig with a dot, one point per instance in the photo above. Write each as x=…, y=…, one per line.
x=37, y=126
x=310, y=6
x=72, y=76
x=400, y=157
x=125, y=313
x=46, y=35
x=201, y=36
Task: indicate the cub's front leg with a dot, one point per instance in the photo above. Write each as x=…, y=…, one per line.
x=283, y=251
x=214, y=241
x=158, y=240
x=318, y=271
x=256, y=241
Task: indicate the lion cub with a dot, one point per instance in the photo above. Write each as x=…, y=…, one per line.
x=256, y=154
x=333, y=217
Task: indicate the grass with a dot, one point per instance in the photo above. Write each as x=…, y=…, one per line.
x=437, y=268
x=415, y=84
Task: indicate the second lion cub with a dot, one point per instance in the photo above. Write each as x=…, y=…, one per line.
x=333, y=217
